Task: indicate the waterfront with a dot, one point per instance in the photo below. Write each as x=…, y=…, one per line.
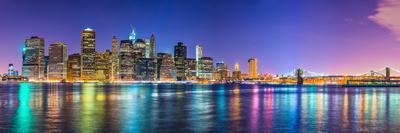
x=96, y=107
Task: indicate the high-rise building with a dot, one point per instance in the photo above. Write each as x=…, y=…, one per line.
x=190, y=68
x=103, y=65
x=222, y=70
x=126, y=60
x=253, y=68
x=33, y=64
x=46, y=65
x=205, y=68
x=236, y=74
x=74, y=68
x=166, y=67
x=114, y=59
x=180, y=55
x=139, y=48
x=58, y=57
x=12, y=71
x=132, y=35
x=88, y=55
x=146, y=69
x=152, y=46
x=199, y=54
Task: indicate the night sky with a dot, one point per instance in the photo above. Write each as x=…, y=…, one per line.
x=329, y=36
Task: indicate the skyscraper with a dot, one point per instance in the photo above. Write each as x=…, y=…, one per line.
x=11, y=70
x=146, y=69
x=88, y=55
x=152, y=46
x=236, y=74
x=180, y=55
x=132, y=36
x=74, y=68
x=205, y=68
x=190, y=67
x=58, y=57
x=33, y=64
x=103, y=65
x=222, y=70
x=199, y=54
x=126, y=60
x=253, y=68
x=114, y=71
x=166, y=67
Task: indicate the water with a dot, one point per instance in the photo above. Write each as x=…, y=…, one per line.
x=93, y=107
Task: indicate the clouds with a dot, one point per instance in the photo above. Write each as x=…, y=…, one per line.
x=388, y=15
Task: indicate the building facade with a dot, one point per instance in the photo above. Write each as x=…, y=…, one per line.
x=74, y=68
x=253, y=68
x=58, y=58
x=166, y=67
x=114, y=59
x=33, y=65
x=236, y=74
x=222, y=70
x=180, y=54
x=126, y=60
x=190, y=68
x=88, y=55
x=146, y=69
x=199, y=54
x=205, y=68
x=104, y=66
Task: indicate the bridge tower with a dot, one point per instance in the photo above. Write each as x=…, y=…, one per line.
x=299, y=76
x=387, y=76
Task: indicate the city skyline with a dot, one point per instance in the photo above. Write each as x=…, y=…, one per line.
x=285, y=42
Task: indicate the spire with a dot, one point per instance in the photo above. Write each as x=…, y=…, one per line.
x=132, y=36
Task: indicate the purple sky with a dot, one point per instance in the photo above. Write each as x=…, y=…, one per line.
x=329, y=36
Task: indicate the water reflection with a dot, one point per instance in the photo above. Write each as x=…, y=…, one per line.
x=94, y=107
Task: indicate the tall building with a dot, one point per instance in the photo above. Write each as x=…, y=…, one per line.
x=114, y=59
x=253, y=68
x=11, y=70
x=58, y=57
x=33, y=64
x=88, y=55
x=126, y=60
x=205, y=68
x=152, y=46
x=236, y=74
x=222, y=70
x=166, y=67
x=46, y=66
x=199, y=54
x=190, y=68
x=74, y=68
x=103, y=66
x=139, y=47
x=132, y=36
x=180, y=54
x=146, y=69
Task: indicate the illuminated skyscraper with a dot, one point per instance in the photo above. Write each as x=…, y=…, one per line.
x=132, y=36
x=58, y=57
x=190, y=68
x=166, y=67
x=126, y=60
x=114, y=59
x=152, y=47
x=253, y=68
x=222, y=70
x=180, y=55
x=74, y=68
x=199, y=54
x=103, y=65
x=88, y=55
x=146, y=69
x=236, y=74
x=11, y=70
x=205, y=68
x=33, y=64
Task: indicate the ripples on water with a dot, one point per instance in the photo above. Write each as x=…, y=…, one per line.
x=93, y=107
